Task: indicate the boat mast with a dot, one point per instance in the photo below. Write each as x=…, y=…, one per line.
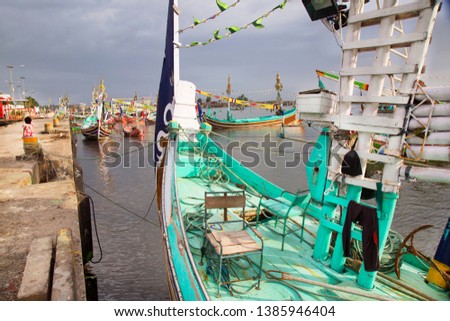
x=229, y=93
x=176, y=46
x=278, y=88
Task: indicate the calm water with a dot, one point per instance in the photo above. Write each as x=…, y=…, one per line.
x=132, y=267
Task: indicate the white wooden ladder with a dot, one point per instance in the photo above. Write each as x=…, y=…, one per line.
x=378, y=47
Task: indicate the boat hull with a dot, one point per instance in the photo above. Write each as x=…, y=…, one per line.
x=128, y=131
x=92, y=132
x=289, y=117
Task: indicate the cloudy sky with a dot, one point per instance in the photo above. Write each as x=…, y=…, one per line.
x=67, y=47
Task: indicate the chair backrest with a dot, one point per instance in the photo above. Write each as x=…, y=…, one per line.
x=300, y=199
x=225, y=200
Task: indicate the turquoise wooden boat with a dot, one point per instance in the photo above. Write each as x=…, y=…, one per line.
x=94, y=127
x=229, y=234
x=288, y=117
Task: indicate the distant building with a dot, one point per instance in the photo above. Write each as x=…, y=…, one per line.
x=13, y=109
x=6, y=103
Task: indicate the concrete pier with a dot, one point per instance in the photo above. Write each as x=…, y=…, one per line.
x=39, y=219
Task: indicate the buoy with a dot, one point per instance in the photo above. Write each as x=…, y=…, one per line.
x=30, y=145
x=435, y=277
x=48, y=128
x=442, y=261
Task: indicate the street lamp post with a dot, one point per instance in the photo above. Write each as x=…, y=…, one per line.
x=18, y=86
x=11, y=83
x=24, y=91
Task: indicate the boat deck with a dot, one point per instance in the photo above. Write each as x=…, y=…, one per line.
x=315, y=280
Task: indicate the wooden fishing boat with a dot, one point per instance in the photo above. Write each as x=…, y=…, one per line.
x=131, y=126
x=132, y=131
x=90, y=129
x=287, y=117
x=151, y=118
x=230, y=234
x=281, y=116
x=95, y=126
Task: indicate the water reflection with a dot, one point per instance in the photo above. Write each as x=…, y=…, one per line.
x=132, y=265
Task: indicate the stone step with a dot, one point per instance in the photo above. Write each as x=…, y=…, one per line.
x=35, y=283
x=63, y=287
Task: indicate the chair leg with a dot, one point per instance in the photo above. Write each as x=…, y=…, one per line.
x=203, y=251
x=260, y=272
x=219, y=278
x=284, y=234
x=258, y=211
x=303, y=226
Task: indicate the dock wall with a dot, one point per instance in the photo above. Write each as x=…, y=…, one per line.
x=41, y=256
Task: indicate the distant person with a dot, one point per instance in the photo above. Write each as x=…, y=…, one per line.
x=199, y=111
x=27, y=127
x=278, y=110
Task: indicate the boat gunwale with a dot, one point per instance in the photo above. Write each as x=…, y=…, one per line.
x=194, y=273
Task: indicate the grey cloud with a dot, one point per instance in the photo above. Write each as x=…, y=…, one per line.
x=68, y=46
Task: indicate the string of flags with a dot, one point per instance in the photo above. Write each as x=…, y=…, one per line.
x=222, y=6
x=257, y=23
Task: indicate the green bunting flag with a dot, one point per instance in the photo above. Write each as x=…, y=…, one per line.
x=197, y=22
x=222, y=6
x=281, y=5
x=258, y=23
x=216, y=35
x=233, y=29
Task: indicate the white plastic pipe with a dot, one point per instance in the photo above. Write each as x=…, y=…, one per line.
x=437, y=123
x=439, y=110
x=437, y=138
x=426, y=174
x=441, y=93
x=432, y=153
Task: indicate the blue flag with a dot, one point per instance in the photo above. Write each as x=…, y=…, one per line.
x=166, y=89
x=199, y=111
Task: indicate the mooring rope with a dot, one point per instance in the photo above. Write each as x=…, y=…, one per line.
x=121, y=206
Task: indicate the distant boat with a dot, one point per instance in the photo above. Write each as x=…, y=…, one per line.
x=95, y=126
x=286, y=118
x=90, y=129
x=130, y=126
x=151, y=118
x=281, y=116
x=133, y=131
